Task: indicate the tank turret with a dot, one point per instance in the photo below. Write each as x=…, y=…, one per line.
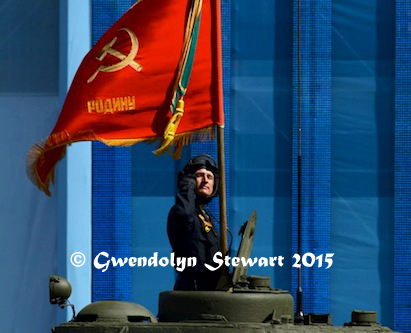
x=245, y=304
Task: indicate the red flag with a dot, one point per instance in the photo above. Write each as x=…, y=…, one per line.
x=122, y=91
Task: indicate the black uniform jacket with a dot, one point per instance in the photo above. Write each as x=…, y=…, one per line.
x=190, y=237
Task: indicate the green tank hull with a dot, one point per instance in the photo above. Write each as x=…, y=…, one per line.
x=247, y=304
x=212, y=312
x=208, y=328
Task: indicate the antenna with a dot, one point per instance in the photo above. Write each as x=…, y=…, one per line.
x=299, y=314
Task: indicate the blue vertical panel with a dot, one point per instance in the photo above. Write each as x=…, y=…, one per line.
x=112, y=228
x=75, y=192
x=362, y=175
x=153, y=194
x=111, y=220
x=261, y=129
x=316, y=140
x=30, y=233
x=402, y=231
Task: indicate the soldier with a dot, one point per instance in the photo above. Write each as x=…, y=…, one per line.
x=190, y=228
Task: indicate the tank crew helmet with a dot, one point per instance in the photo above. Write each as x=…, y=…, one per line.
x=203, y=161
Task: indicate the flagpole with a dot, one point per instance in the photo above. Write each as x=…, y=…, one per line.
x=222, y=191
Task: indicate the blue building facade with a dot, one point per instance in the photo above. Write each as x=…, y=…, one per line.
x=351, y=61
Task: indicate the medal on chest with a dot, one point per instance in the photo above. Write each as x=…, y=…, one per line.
x=206, y=225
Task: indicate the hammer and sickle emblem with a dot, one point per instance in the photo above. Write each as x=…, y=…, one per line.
x=125, y=60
